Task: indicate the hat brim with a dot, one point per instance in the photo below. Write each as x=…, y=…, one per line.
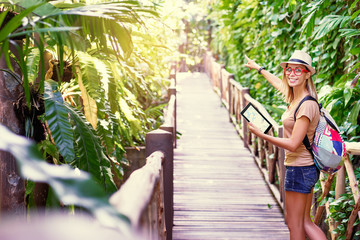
x=311, y=69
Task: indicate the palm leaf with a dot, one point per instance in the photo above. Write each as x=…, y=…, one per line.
x=44, y=8
x=90, y=108
x=16, y=22
x=57, y=117
x=131, y=123
x=71, y=188
x=349, y=33
x=113, y=87
x=91, y=154
x=104, y=23
x=108, y=22
x=309, y=22
x=44, y=30
x=89, y=75
x=33, y=60
x=354, y=114
x=328, y=24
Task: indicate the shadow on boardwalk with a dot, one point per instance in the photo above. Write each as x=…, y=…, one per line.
x=219, y=192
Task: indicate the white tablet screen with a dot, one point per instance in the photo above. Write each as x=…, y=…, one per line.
x=252, y=115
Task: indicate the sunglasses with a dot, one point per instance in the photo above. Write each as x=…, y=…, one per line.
x=297, y=71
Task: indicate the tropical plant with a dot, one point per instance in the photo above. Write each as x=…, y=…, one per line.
x=87, y=80
x=72, y=186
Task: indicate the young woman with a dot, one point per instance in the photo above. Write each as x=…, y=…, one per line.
x=301, y=174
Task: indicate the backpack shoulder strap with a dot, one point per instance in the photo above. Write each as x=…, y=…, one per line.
x=303, y=100
x=306, y=141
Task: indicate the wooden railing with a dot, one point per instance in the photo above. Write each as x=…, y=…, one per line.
x=146, y=197
x=141, y=199
x=270, y=158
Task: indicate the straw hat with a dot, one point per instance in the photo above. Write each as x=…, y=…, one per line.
x=300, y=57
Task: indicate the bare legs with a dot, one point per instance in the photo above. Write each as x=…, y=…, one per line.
x=295, y=214
x=298, y=217
x=312, y=231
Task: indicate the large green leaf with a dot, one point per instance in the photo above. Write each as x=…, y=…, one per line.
x=15, y=22
x=49, y=30
x=72, y=187
x=90, y=76
x=91, y=156
x=113, y=94
x=309, y=22
x=349, y=33
x=329, y=23
x=57, y=118
x=354, y=113
x=33, y=60
x=123, y=35
x=43, y=9
x=90, y=108
x=106, y=23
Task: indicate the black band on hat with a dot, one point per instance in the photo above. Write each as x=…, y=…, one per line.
x=299, y=61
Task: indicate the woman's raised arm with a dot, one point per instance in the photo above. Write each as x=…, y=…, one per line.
x=271, y=78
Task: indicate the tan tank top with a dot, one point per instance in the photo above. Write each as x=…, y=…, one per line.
x=309, y=109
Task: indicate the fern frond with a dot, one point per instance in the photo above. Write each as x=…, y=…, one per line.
x=57, y=118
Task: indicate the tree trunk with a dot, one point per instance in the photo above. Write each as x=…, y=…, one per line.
x=12, y=187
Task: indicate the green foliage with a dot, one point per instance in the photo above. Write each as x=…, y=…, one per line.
x=269, y=32
x=90, y=153
x=114, y=92
x=73, y=187
x=341, y=208
x=58, y=121
x=90, y=76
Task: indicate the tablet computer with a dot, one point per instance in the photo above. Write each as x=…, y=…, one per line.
x=252, y=114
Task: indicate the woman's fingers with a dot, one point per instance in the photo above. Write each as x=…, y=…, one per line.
x=251, y=126
x=254, y=129
x=249, y=63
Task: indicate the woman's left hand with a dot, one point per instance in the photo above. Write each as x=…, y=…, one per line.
x=254, y=129
x=251, y=64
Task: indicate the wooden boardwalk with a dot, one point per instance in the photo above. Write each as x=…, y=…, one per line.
x=219, y=192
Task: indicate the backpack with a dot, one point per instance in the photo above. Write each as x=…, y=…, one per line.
x=328, y=148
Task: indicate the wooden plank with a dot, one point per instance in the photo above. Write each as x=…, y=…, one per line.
x=219, y=192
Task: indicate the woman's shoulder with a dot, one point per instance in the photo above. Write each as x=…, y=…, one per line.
x=310, y=104
x=308, y=108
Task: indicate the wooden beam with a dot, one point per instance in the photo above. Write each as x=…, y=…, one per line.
x=135, y=194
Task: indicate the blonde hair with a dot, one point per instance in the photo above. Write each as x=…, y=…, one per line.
x=289, y=93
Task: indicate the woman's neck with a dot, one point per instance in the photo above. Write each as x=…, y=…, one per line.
x=299, y=93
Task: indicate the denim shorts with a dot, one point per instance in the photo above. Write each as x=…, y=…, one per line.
x=301, y=179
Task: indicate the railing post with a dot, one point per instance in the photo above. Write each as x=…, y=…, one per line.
x=339, y=189
x=244, y=122
x=281, y=160
x=205, y=62
x=231, y=106
x=173, y=70
x=340, y=182
x=172, y=128
x=182, y=67
x=213, y=72
x=161, y=140
x=222, y=66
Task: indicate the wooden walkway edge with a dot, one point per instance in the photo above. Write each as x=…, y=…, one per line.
x=219, y=192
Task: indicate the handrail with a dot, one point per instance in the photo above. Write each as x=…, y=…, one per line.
x=269, y=158
x=146, y=197
x=135, y=194
x=170, y=113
